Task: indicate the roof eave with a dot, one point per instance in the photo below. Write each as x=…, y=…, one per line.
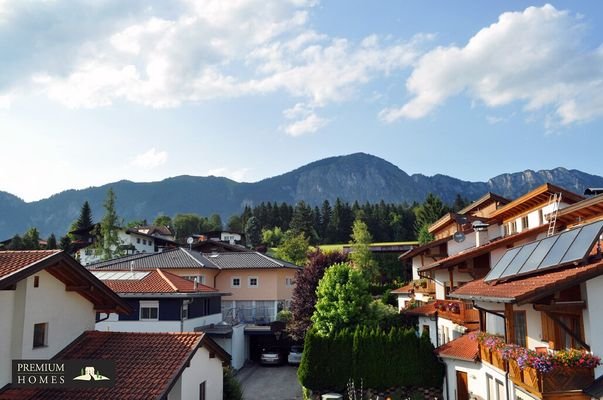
x=488, y=299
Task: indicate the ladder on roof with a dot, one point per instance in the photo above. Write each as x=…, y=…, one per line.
x=554, y=199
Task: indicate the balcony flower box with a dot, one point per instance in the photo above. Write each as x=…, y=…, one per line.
x=497, y=359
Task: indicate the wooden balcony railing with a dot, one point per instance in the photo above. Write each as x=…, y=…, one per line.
x=559, y=380
x=458, y=312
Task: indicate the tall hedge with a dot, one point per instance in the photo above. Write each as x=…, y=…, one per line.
x=380, y=358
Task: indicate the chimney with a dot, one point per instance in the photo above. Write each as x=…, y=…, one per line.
x=196, y=282
x=481, y=233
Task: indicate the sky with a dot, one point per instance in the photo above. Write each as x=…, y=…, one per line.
x=96, y=92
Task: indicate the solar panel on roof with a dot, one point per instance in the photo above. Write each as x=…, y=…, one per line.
x=567, y=247
x=120, y=275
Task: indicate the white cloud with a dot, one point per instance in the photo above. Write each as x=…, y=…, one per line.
x=150, y=159
x=306, y=120
x=537, y=57
x=237, y=174
x=194, y=51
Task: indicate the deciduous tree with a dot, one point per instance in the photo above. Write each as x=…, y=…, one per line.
x=294, y=248
x=362, y=256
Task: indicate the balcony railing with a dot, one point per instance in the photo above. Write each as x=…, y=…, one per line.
x=457, y=311
x=543, y=385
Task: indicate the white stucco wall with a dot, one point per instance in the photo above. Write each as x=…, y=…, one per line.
x=449, y=331
x=594, y=296
x=202, y=368
x=67, y=313
x=7, y=298
x=475, y=381
x=432, y=329
x=455, y=248
x=189, y=325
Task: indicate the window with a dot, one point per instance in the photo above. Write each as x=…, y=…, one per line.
x=496, y=389
x=202, y=390
x=426, y=330
x=512, y=227
x=289, y=282
x=184, y=311
x=36, y=281
x=144, y=241
x=40, y=335
x=149, y=310
x=138, y=240
x=540, y=217
x=253, y=281
x=521, y=328
x=236, y=282
x=524, y=223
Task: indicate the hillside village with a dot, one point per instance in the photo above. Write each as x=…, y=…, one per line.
x=500, y=301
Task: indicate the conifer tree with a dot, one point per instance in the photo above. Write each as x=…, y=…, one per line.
x=109, y=227
x=51, y=242
x=85, y=219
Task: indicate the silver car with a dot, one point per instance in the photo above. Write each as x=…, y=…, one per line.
x=270, y=356
x=295, y=355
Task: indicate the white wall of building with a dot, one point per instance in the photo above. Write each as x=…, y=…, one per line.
x=202, y=369
x=188, y=325
x=449, y=331
x=7, y=300
x=455, y=248
x=67, y=314
x=427, y=321
x=475, y=379
x=594, y=328
x=235, y=346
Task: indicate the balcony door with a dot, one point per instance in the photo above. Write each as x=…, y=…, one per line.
x=462, y=386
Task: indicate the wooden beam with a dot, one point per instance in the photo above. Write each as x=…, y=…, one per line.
x=510, y=323
x=574, y=307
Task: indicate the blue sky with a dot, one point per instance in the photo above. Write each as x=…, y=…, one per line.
x=249, y=89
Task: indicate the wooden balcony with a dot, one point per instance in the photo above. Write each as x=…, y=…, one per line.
x=458, y=312
x=561, y=382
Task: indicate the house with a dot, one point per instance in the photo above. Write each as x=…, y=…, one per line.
x=230, y=237
x=165, y=302
x=465, y=246
x=544, y=296
x=48, y=307
x=161, y=302
x=148, y=239
x=47, y=299
x=255, y=287
x=148, y=366
x=258, y=285
x=543, y=304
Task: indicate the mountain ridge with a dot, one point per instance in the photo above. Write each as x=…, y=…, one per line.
x=355, y=177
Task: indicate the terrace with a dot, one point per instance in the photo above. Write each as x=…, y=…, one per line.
x=458, y=312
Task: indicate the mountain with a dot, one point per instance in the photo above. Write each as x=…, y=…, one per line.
x=359, y=176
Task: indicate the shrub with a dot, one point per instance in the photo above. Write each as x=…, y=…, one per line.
x=232, y=388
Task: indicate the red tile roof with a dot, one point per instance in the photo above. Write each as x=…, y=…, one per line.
x=486, y=248
x=425, y=310
x=464, y=348
x=157, y=281
x=147, y=365
x=404, y=289
x=13, y=261
x=522, y=289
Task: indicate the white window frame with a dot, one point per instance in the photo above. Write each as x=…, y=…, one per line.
x=148, y=304
x=257, y=281
x=289, y=281
x=232, y=284
x=184, y=312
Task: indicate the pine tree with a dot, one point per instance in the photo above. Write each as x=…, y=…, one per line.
x=65, y=243
x=163, y=220
x=362, y=256
x=85, y=219
x=31, y=239
x=109, y=227
x=253, y=232
x=16, y=243
x=302, y=221
x=324, y=231
x=51, y=242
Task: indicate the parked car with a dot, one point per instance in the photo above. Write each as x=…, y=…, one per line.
x=271, y=356
x=295, y=354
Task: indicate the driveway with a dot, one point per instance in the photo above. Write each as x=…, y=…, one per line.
x=269, y=383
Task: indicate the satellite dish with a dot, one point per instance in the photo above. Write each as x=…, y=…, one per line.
x=190, y=240
x=459, y=237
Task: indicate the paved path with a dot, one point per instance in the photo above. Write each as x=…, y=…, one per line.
x=269, y=383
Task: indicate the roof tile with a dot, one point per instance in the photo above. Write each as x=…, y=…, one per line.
x=146, y=364
x=13, y=261
x=157, y=281
x=463, y=348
